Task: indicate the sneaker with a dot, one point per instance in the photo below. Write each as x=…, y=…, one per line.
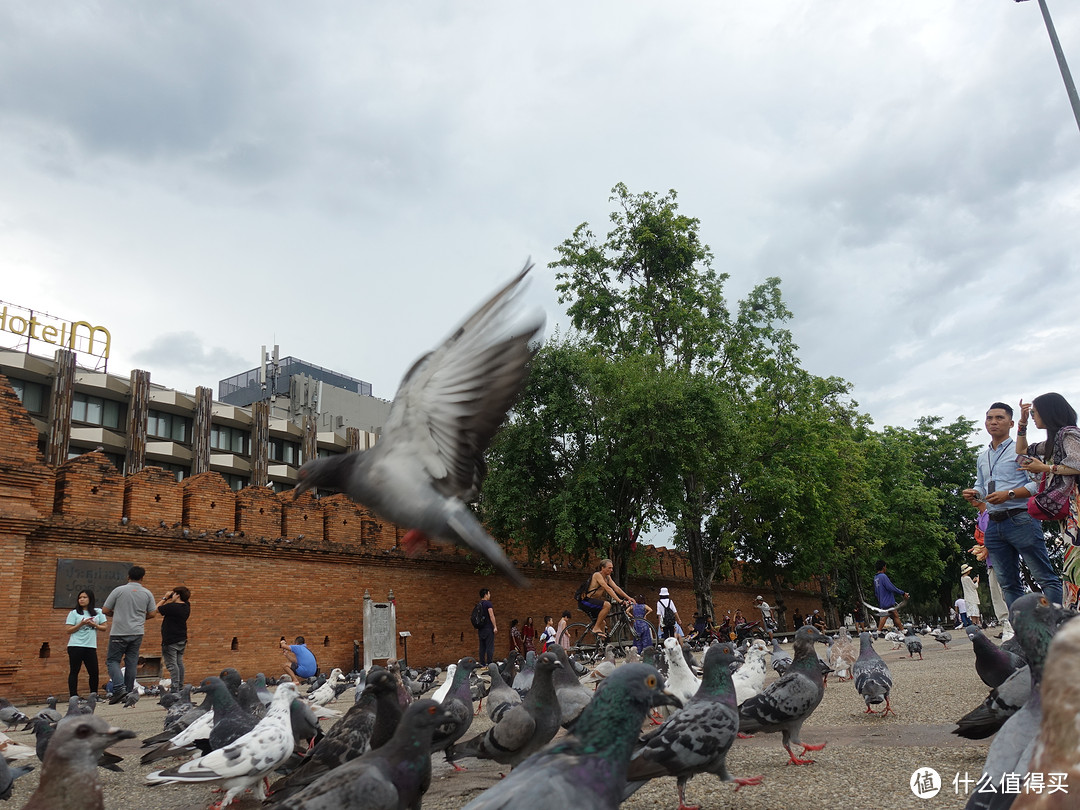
x=117, y=696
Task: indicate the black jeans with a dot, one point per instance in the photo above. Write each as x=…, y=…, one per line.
x=77, y=657
x=487, y=646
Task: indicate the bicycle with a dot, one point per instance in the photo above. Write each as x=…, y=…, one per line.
x=585, y=646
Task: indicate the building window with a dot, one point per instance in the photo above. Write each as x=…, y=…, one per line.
x=34, y=396
x=235, y=482
x=324, y=453
x=285, y=451
x=179, y=472
x=96, y=411
x=231, y=440
x=171, y=426
x=116, y=459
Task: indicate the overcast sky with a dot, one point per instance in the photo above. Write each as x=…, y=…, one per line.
x=347, y=179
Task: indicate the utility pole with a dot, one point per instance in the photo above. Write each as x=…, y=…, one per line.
x=1070, y=87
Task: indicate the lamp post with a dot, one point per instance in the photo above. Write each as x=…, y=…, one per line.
x=1070, y=88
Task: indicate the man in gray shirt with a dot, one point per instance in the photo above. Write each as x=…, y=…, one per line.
x=128, y=606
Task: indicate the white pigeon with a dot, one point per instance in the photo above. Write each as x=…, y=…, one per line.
x=749, y=679
x=325, y=693
x=843, y=655
x=14, y=752
x=681, y=681
x=895, y=638
x=444, y=690
x=246, y=762
x=603, y=668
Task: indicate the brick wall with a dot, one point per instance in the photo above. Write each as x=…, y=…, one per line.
x=259, y=565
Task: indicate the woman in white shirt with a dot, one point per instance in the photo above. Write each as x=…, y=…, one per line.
x=84, y=623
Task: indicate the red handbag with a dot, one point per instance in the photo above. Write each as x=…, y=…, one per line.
x=1052, y=503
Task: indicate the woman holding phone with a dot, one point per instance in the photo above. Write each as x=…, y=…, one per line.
x=84, y=622
x=1056, y=458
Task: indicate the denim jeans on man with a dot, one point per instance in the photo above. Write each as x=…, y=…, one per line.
x=1019, y=535
x=172, y=658
x=125, y=648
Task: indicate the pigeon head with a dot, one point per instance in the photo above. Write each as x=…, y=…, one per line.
x=468, y=664
x=379, y=681
x=716, y=670
x=548, y=662
x=425, y=715
x=1035, y=619
x=620, y=704
x=83, y=737
x=325, y=473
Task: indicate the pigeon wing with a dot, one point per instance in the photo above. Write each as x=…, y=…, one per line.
x=453, y=399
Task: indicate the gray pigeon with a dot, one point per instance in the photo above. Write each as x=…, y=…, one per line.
x=458, y=704
x=429, y=461
x=10, y=716
x=943, y=638
x=786, y=703
x=523, y=681
x=8, y=775
x=393, y=777
x=501, y=698
x=913, y=642
x=992, y=664
x=523, y=729
x=573, y=697
x=588, y=767
x=781, y=658
x=369, y=724
x=231, y=722
x=69, y=779
x=697, y=738
x=247, y=761
x=1002, y=703
x=1034, y=620
x=872, y=677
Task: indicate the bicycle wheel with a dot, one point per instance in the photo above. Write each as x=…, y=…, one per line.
x=621, y=637
x=582, y=643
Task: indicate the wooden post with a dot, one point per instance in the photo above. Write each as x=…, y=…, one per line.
x=63, y=392
x=260, y=443
x=138, y=408
x=310, y=448
x=200, y=430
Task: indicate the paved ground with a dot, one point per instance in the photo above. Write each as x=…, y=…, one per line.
x=868, y=760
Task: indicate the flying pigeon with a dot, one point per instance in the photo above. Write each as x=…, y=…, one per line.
x=392, y=777
x=247, y=761
x=786, y=703
x=429, y=460
x=695, y=739
x=69, y=778
x=872, y=677
x=879, y=612
x=523, y=729
x=588, y=767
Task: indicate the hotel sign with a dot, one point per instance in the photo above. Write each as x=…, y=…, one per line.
x=79, y=336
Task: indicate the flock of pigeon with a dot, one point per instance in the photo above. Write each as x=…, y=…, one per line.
x=664, y=713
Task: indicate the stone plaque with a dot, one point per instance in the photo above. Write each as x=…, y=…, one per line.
x=380, y=631
x=99, y=576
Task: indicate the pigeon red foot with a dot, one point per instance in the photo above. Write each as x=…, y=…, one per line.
x=747, y=781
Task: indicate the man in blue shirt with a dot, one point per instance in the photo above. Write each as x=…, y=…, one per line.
x=300, y=661
x=1011, y=533
x=886, y=594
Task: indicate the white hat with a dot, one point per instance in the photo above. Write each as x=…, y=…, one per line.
x=663, y=592
x=758, y=599
x=965, y=569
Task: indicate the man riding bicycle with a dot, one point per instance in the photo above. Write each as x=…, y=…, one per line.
x=594, y=603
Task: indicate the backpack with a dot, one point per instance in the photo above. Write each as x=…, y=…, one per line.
x=669, y=619
x=479, y=617
x=583, y=588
